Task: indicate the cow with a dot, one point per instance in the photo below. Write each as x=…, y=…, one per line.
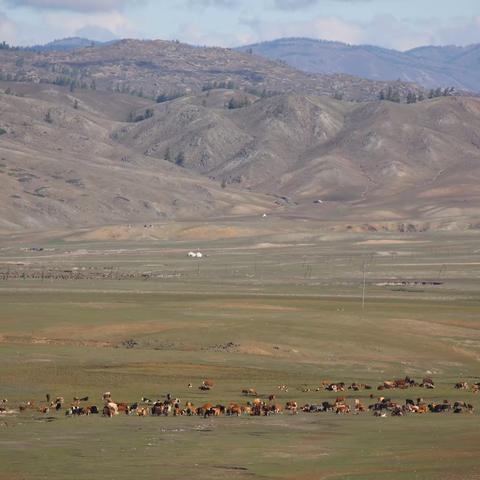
x=123, y=408
x=246, y=409
x=110, y=409
x=157, y=408
x=189, y=409
x=427, y=383
x=274, y=409
x=292, y=407
x=336, y=387
x=313, y=408
x=460, y=407
x=234, y=409
x=142, y=412
x=359, y=406
x=359, y=386
x=251, y=392
x=439, y=407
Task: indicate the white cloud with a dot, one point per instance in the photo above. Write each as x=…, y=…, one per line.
x=299, y=4
x=65, y=24
x=214, y=3
x=8, y=29
x=74, y=5
x=462, y=30
x=293, y=4
x=93, y=32
x=195, y=35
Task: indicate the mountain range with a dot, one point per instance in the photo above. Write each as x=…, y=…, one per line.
x=147, y=131
x=429, y=66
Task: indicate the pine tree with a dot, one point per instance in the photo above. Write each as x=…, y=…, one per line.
x=180, y=159
x=389, y=94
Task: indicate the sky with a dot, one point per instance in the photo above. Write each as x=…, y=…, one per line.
x=398, y=24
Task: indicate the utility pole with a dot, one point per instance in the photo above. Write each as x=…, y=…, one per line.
x=364, y=283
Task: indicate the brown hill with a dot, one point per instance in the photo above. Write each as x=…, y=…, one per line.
x=59, y=167
x=410, y=161
x=350, y=163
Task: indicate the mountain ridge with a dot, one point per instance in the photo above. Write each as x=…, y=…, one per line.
x=168, y=69
x=429, y=66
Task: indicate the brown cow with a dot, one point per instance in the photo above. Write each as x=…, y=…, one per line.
x=292, y=407
x=359, y=406
x=110, y=409
x=234, y=409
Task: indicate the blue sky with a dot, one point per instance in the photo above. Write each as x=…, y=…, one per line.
x=400, y=24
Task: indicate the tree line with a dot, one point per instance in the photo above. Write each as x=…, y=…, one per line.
x=394, y=95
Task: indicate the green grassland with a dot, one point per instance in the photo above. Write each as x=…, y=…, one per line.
x=256, y=312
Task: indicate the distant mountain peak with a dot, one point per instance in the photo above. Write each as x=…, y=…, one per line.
x=66, y=44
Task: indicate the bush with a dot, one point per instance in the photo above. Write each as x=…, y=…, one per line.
x=235, y=103
x=140, y=118
x=2, y=131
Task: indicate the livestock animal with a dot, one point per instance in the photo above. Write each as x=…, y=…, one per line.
x=359, y=386
x=110, y=409
x=292, y=407
x=335, y=387
x=234, y=409
x=359, y=406
x=427, y=383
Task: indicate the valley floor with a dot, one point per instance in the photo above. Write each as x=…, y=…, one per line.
x=81, y=314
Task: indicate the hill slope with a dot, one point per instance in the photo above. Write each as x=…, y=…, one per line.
x=168, y=69
x=298, y=155
x=64, y=169
x=407, y=160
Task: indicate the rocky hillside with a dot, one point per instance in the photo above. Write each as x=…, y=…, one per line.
x=169, y=69
x=83, y=157
x=399, y=160
x=60, y=167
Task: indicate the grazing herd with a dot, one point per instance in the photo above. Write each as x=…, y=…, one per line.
x=255, y=406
